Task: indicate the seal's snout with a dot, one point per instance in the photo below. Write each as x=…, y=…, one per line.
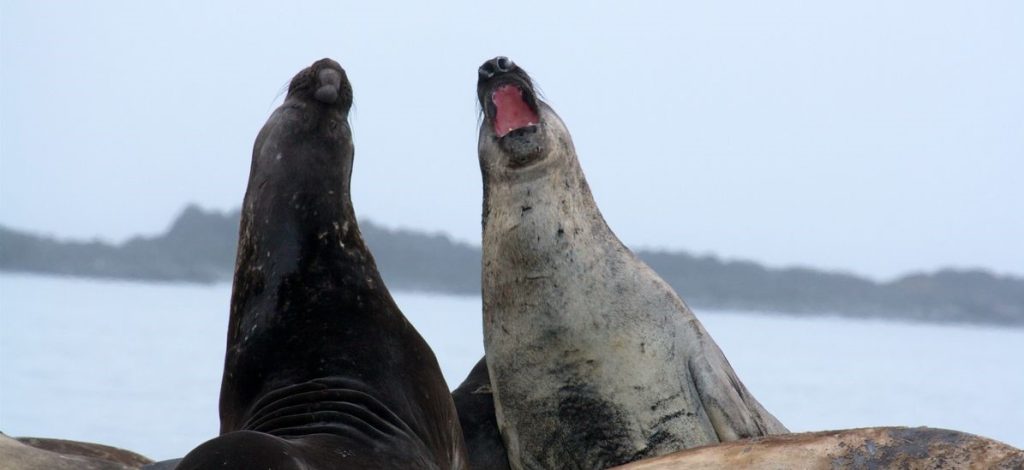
x=324, y=82
x=495, y=66
x=328, y=85
x=506, y=95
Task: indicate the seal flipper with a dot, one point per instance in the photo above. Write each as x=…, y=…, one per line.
x=734, y=413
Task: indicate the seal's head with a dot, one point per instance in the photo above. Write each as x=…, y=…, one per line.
x=325, y=83
x=314, y=115
x=518, y=130
x=307, y=142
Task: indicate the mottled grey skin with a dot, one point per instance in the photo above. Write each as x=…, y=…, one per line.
x=865, y=448
x=594, y=360
x=33, y=453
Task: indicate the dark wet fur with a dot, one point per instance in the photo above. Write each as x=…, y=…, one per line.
x=322, y=370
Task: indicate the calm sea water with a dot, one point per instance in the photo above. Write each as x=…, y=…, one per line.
x=138, y=365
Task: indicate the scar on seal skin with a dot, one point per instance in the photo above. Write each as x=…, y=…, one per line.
x=322, y=370
x=593, y=359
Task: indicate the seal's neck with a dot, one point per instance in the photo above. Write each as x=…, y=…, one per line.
x=529, y=221
x=297, y=214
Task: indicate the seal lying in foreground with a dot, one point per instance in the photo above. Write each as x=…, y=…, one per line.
x=869, y=448
x=594, y=361
x=322, y=370
x=865, y=448
x=33, y=453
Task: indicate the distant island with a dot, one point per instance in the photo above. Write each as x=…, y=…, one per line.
x=200, y=247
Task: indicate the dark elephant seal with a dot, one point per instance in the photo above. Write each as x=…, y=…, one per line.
x=594, y=360
x=475, y=404
x=322, y=370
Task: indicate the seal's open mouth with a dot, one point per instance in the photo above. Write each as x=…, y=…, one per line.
x=511, y=110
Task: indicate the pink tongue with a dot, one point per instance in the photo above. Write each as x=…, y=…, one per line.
x=513, y=112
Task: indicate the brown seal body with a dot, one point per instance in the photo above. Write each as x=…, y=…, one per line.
x=322, y=370
x=865, y=448
x=34, y=453
x=594, y=360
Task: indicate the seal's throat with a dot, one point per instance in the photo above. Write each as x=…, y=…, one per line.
x=512, y=110
x=328, y=405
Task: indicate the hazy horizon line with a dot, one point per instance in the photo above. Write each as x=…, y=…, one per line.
x=476, y=244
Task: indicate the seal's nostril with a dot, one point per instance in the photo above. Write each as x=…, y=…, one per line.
x=503, y=63
x=487, y=70
x=500, y=64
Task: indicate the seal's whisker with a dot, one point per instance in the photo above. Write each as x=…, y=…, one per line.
x=277, y=97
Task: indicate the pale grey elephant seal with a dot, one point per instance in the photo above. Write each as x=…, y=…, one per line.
x=594, y=361
x=322, y=370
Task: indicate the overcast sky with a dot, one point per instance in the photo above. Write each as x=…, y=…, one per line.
x=874, y=137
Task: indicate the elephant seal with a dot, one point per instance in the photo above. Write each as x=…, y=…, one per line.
x=475, y=404
x=593, y=359
x=34, y=453
x=322, y=370
x=863, y=448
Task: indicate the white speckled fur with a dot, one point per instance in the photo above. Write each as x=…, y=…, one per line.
x=593, y=358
